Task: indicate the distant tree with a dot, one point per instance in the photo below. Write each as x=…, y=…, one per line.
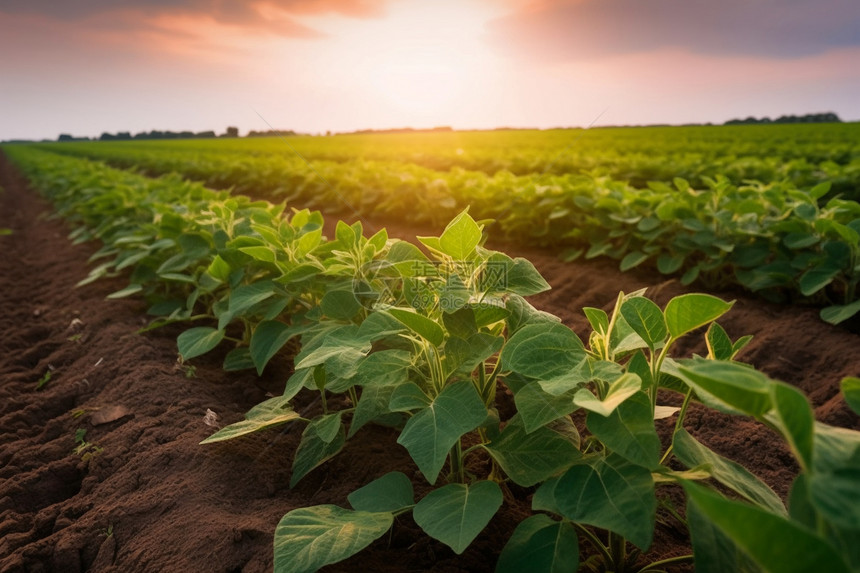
x=205, y=134
x=65, y=137
x=232, y=132
x=828, y=117
x=271, y=133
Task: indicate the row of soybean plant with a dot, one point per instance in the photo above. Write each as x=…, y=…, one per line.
x=423, y=342
x=776, y=239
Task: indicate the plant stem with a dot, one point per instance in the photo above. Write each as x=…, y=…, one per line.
x=680, y=422
x=595, y=542
x=458, y=471
x=655, y=371
x=617, y=550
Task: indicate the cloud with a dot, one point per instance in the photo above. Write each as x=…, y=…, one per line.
x=564, y=30
x=276, y=16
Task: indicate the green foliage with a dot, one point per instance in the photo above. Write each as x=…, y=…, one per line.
x=540, y=544
x=455, y=513
x=311, y=537
x=422, y=343
x=772, y=208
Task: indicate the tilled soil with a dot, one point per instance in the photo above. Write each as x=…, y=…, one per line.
x=144, y=496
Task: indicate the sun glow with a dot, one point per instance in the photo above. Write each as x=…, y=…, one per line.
x=420, y=79
x=423, y=58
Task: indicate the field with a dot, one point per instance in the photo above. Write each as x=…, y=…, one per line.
x=510, y=351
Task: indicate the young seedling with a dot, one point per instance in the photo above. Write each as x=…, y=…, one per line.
x=46, y=377
x=85, y=449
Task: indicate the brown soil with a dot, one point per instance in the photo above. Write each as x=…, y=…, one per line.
x=152, y=499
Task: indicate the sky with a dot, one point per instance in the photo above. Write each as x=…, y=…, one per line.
x=84, y=67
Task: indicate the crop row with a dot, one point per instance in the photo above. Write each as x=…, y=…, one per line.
x=422, y=343
x=776, y=239
x=804, y=155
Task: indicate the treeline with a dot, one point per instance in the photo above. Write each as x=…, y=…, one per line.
x=438, y=129
x=828, y=117
x=154, y=134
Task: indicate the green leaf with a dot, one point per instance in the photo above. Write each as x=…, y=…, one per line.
x=629, y=431
x=620, y=390
x=833, y=483
x=522, y=313
x=793, y=417
x=299, y=273
x=379, y=325
x=407, y=397
x=740, y=344
x=669, y=264
x=714, y=551
x=544, y=497
x=632, y=259
x=194, y=245
x=372, y=405
x=773, y=542
x=199, y=340
x=540, y=545
x=421, y=325
x=246, y=296
x=840, y=312
x=460, y=237
x=456, y=513
x=345, y=235
x=538, y=408
x=597, y=318
x=384, y=368
x=238, y=359
x=800, y=240
x=460, y=322
x=610, y=493
x=433, y=431
x=732, y=475
x=127, y=291
x=688, y=312
x=529, y=458
x=543, y=351
x=835, y=495
x=646, y=320
x=690, y=275
x=851, y=392
x=820, y=190
x=503, y=274
x=309, y=538
x=273, y=412
x=308, y=242
x=220, y=269
x=728, y=386
x=340, y=347
x=817, y=278
x=719, y=344
x=340, y=304
x=265, y=254
x=465, y=355
x=268, y=338
x=325, y=426
x=315, y=449
x=392, y=492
